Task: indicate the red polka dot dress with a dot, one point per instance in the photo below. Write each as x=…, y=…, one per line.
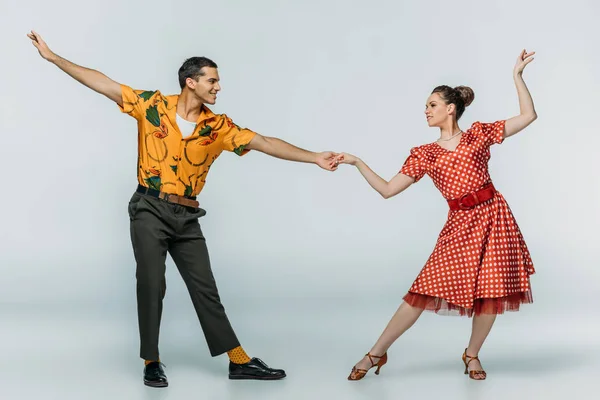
x=480, y=263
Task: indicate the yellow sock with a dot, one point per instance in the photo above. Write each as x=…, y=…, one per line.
x=146, y=362
x=238, y=356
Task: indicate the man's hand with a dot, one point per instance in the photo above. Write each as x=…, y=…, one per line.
x=327, y=160
x=42, y=47
x=91, y=78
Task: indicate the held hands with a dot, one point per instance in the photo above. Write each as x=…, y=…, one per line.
x=330, y=161
x=326, y=160
x=344, y=158
x=42, y=47
x=523, y=59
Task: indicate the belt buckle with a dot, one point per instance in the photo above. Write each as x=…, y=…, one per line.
x=166, y=196
x=460, y=201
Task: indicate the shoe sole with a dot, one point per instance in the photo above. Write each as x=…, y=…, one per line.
x=258, y=378
x=156, y=385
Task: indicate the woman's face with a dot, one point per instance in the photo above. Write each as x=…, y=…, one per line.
x=437, y=111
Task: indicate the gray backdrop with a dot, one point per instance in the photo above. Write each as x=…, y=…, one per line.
x=322, y=75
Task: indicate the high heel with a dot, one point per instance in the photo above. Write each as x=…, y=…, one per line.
x=357, y=374
x=473, y=373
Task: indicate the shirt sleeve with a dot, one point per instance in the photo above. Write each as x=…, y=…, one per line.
x=414, y=166
x=492, y=133
x=235, y=139
x=136, y=102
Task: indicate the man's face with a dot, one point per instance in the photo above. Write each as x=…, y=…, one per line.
x=207, y=86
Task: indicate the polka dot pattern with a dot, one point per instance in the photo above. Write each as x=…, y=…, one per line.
x=480, y=252
x=238, y=356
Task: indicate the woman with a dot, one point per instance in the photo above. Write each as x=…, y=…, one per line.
x=480, y=265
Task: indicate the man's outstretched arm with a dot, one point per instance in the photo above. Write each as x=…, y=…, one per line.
x=93, y=79
x=278, y=148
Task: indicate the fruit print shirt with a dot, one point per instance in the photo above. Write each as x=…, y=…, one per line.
x=167, y=161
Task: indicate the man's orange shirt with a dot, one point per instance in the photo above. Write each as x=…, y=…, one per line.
x=167, y=161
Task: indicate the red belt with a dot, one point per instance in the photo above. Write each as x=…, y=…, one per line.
x=470, y=200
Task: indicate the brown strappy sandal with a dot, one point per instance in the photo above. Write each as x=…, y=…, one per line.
x=357, y=374
x=473, y=373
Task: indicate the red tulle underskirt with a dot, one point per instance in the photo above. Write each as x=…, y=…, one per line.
x=480, y=306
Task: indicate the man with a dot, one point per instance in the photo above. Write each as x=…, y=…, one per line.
x=179, y=138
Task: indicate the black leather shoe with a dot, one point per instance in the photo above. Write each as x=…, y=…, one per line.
x=255, y=369
x=154, y=375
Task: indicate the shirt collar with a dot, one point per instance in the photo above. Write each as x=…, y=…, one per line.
x=172, y=100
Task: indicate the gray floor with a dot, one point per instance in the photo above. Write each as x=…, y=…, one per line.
x=90, y=352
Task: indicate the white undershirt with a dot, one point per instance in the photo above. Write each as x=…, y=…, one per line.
x=186, y=127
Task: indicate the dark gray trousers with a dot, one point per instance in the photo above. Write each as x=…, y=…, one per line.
x=158, y=227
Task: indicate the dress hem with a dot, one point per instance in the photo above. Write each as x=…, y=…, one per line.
x=497, y=305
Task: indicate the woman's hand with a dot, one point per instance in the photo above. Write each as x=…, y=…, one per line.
x=522, y=61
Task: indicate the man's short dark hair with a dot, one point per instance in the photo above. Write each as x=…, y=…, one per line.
x=192, y=68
